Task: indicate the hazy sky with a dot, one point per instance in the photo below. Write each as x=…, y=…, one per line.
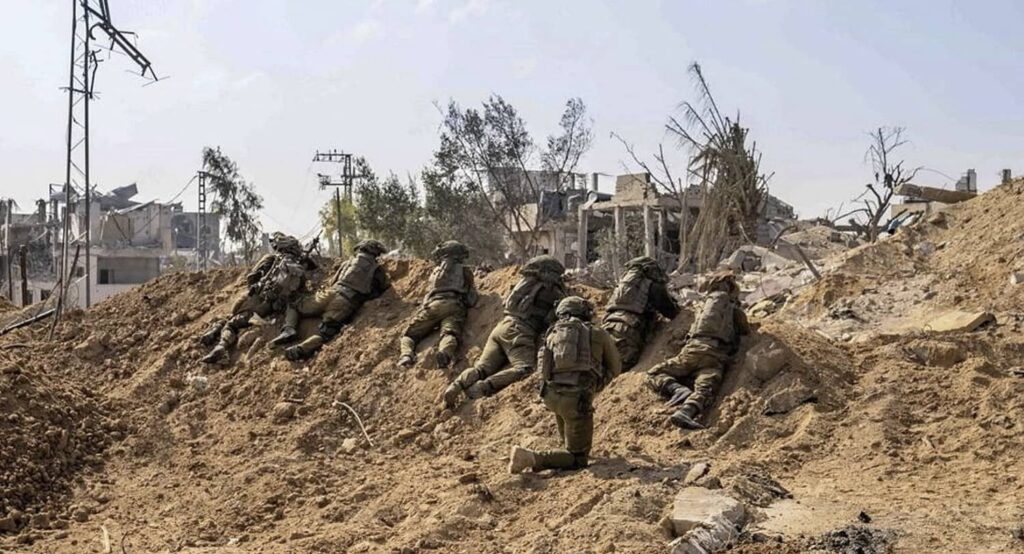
x=271, y=81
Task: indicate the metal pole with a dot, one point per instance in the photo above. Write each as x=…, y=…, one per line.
x=88, y=216
x=337, y=221
x=66, y=231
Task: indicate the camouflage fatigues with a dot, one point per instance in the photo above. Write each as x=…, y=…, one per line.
x=356, y=281
x=511, y=350
x=273, y=282
x=633, y=309
x=569, y=389
x=447, y=304
x=713, y=338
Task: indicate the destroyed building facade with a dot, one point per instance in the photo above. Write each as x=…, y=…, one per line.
x=131, y=243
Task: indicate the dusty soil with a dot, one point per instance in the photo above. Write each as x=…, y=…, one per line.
x=114, y=432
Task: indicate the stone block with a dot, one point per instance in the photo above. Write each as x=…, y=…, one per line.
x=694, y=507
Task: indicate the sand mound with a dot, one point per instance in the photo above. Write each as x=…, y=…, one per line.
x=921, y=430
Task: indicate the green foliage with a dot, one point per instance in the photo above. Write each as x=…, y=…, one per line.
x=329, y=224
x=234, y=200
x=454, y=209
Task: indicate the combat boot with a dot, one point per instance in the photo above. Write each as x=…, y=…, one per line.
x=521, y=459
x=443, y=359
x=676, y=394
x=215, y=355
x=452, y=394
x=212, y=335
x=288, y=334
x=686, y=417
x=407, y=361
x=479, y=390
x=296, y=353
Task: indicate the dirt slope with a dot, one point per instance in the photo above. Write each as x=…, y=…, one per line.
x=920, y=432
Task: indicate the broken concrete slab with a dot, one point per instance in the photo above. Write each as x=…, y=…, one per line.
x=694, y=507
x=696, y=471
x=934, y=194
x=955, y=321
x=705, y=521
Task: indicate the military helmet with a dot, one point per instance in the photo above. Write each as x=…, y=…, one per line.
x=543, y=264
x=574, y=306
x=286, y=244
x=451, y=249
x=372, y=247
x=721, y=281
x=649, y=267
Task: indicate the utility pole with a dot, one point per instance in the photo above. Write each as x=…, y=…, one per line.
x=346, y=182
x=86, y=17
x=201, y=221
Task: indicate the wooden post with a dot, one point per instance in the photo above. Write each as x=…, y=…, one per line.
x=581, y=238
x=620, y=237
x=22, y=259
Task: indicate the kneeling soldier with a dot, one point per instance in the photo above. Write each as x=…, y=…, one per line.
x=451, y=295
x=577, y=360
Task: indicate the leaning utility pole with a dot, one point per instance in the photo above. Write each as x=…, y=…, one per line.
x=86, y=17
x=347, y=181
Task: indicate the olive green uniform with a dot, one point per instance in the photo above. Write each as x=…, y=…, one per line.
x=356, y=281
x=447, y=304
x=510, y=354
x=570, y=396
x=273, y=282
x=632, y=312
x=713, y=338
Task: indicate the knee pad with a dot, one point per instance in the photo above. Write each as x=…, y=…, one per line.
x=238, y=322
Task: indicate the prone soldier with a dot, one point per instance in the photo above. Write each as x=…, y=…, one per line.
x=633, y=310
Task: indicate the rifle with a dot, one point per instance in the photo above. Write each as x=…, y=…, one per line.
x=313, y=244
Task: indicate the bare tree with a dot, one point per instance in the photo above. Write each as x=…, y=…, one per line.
x=889, y=174
x=727, y=169
x=493, y=151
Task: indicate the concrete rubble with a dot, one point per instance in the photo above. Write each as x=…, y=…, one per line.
x=705, y=521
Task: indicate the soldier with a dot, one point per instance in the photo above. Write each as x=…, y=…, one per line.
x=577, y=360
x=357, y=280
x=713, y=338
x=634, y=307
x=273, y=281
x=451, y=295
x=529, y=308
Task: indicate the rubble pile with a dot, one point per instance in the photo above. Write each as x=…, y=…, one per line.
x=830, y=402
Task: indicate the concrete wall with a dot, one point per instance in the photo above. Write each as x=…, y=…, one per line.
x=126, y=270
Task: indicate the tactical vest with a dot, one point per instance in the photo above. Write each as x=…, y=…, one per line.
x=357, y=274
x=715, y=319
x=631, y=293
x=568, y=342
x=449, y=277
x=284, y=278
x=521, y=302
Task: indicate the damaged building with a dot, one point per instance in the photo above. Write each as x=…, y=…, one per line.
x=131, y=242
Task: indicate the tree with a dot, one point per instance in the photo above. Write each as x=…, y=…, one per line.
x=727, y=170
x=492, y=151
x=454, y=208
x=235, y=200
x=889, y=177
x=329, y=225
x=388, y=210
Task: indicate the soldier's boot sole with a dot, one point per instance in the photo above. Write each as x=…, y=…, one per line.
x=452, y=395
x=443, y=359
x=406, y=361
x=521, y=459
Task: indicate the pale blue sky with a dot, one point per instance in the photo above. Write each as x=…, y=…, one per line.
x=271, y=81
